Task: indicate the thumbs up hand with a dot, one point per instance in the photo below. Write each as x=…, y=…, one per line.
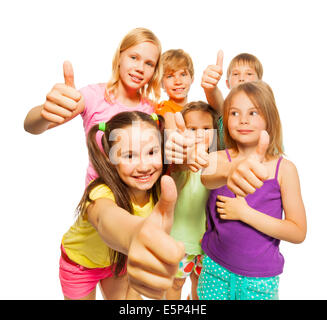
x=198, y=157
x=63, y=102
x=248, y=174
x=178, y=142
x=213, y=73
x=153, y=255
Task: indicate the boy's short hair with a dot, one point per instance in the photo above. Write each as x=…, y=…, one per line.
x=176, y=59
x=249, y=59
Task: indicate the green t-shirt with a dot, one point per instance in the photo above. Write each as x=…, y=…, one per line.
x=221, y=134
x=190, y=215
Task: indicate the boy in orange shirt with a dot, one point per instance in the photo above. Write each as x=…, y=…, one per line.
x=177, y=79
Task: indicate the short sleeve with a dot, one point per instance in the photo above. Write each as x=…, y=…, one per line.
x=98, y=192
x=101, y=191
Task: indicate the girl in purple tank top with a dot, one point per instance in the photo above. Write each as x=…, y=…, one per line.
x=241, y=244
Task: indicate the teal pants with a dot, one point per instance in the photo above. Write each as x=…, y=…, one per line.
x=218, y=283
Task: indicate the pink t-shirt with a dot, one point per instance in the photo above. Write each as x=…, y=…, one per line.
x=98, y=109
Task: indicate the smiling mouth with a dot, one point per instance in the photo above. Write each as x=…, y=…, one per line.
x=136, y=78
x=143, y=178
x=179, y=90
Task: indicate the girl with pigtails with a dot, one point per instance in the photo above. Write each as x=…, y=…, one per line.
x=124, y=212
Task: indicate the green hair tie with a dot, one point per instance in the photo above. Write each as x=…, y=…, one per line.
x=154, y=116
x=102, y=126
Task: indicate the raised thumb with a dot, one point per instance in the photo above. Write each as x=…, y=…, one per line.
x=262, y=146
x=163, y=212
x=220, y=58
x=180, y=123
x=69, y=74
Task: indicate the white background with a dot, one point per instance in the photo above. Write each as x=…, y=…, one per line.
x=43, y=176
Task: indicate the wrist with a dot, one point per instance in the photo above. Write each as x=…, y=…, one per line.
x=246, y=214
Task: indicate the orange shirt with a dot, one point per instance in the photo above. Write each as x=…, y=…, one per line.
x=168, y=106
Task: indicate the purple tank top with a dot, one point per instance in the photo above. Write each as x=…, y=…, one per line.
x=237, y=246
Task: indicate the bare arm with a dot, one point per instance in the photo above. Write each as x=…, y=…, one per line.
x=34, y=123
x=242, y=176
x=215, y=99
x=153, y=255
x=292, y=228
x=62, y=104
x=105, y=216
x=216, y=174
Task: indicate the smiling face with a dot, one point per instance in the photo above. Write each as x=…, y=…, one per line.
x=137, y=156
x=137, y=65
x=177, y=85
x=245, y=121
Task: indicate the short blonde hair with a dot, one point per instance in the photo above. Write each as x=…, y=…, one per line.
x=248, y=59
x=177, y=59
x=262, y=97
x=135, y=37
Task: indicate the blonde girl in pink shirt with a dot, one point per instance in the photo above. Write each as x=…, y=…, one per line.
x=136, y=73
x=135, y=79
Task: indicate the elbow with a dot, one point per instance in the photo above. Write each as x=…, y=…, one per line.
x=28, y=128
x=300, y=238
x=205, y=182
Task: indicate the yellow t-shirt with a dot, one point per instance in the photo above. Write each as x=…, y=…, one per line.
x=82, y=242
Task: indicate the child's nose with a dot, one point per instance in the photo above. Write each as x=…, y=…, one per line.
x=244, y=119
x=140, y=66
x=143, y=167
x=178, y=80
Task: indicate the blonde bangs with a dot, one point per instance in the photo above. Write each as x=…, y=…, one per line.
x=263, y=99
x=246, y=59
x=177, y=59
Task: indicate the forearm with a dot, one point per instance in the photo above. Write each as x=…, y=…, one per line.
x=115, y=225
x=215, y=99
x=286, y=230
x=215, y=175
x=34, y=123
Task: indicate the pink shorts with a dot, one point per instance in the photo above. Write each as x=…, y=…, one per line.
x=77, y=281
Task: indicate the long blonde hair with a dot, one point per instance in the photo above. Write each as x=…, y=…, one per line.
x=135, y=37
x=263, y=99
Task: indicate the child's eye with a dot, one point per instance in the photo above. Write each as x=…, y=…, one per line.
x=133, y=57
x=154, y=151
x=150, y=64
x=253, y=113
x=127, y=156
x=234, y=113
